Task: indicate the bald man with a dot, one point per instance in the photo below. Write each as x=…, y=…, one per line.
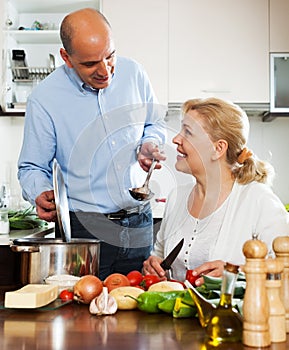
x=98, y=116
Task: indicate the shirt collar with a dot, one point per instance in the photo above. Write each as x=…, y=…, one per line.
x=74, y=77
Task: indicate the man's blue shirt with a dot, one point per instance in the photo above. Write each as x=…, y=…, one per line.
x=92, y=134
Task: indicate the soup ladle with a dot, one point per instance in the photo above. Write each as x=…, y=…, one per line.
x=144, y=193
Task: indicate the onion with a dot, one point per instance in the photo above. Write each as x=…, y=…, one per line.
x=87, y=288
x=115, y=280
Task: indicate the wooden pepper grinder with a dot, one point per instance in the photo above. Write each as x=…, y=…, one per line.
x=281, y=249
x=255, y=305
x=277, y=321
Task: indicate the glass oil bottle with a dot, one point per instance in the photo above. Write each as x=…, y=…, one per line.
x=226, y=324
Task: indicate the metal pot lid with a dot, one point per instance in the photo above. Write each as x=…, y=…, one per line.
x=61, y=203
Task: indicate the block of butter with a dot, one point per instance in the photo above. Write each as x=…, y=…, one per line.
x=31, y=296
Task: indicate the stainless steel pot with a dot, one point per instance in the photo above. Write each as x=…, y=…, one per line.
x=42, y=258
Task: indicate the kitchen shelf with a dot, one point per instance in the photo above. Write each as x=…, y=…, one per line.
x=35, y=36
x=52, y=6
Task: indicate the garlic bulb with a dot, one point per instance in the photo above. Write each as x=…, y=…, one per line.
x=104, y=304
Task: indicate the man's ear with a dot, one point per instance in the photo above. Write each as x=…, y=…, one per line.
x=221, y=147
x=66, y=58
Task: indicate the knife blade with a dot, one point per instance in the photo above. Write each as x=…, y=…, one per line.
x=167, y=262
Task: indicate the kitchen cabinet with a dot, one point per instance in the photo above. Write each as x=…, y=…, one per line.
x=21, y=21
x=219, y=48
x=279, y=26
x=140, y=30
x=196, y=48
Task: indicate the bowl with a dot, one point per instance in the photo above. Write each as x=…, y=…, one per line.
x=62, y=281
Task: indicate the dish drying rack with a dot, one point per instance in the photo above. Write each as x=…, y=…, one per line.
x=21, y=72
x=27, y=74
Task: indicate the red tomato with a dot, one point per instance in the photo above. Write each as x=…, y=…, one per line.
x=66, y=295
x=148, y=280
x=192, y=279
x=140, y=287
x=134, y=277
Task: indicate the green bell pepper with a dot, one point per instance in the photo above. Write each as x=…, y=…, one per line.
x=149, y=301
x=182, y=310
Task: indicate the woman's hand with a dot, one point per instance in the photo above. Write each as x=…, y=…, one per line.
x=152, y=266
x=211, y=268
x=45, y=206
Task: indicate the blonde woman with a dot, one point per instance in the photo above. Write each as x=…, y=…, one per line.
x=230, y=200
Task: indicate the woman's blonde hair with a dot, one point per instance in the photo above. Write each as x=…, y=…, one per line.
x=227, y=121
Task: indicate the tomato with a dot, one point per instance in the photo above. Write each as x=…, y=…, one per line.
x=148, y=280
x=191, y=278
x=134, y=277
x=66, y=295
x=139, y=286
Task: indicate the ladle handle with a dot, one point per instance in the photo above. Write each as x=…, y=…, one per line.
x=154, y=163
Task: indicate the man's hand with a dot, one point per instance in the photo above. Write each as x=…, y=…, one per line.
x=147, y=153
x=45, y=206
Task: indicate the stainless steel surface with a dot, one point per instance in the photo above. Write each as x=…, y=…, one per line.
x=167, y=262
x=144, y=193
x=61, y=203
x=41, y=258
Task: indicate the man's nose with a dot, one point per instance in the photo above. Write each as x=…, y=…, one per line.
x=103, y=68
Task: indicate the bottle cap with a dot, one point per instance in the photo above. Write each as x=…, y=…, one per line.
x=232, y=268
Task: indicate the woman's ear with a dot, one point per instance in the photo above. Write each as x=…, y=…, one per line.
x=220, y=148
x=66, y=58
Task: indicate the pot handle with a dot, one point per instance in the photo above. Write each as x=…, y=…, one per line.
x=24, y=249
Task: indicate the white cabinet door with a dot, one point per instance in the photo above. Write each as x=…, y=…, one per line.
x=219, y=48
x=140, y=30
x=279, y=25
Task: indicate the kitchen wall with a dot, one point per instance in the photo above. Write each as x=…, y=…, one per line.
x=268, y=140
x=11, y=129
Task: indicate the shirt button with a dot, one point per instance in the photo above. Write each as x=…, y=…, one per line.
x=113, y=142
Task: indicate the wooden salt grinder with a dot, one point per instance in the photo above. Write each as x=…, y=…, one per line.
x=277, y=321
x=255, y=305
x=281, y=249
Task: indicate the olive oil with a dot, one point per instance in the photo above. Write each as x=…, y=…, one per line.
x=226, y=324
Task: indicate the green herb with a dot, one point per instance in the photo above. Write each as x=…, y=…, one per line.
x=25, y=219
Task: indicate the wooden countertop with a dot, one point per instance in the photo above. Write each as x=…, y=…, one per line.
x=73, y=327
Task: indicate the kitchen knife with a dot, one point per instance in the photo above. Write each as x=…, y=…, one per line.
x=167, y=262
